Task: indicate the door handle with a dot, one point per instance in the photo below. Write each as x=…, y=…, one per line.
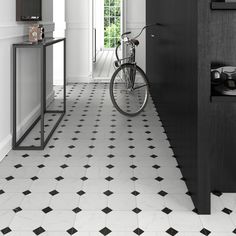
x=153, y=35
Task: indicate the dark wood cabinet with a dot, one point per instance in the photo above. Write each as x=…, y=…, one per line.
x=201, y=130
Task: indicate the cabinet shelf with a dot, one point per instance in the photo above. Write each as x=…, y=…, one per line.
x=221, y=98
x=223, y=5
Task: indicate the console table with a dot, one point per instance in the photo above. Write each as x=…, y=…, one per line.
x=43, y=108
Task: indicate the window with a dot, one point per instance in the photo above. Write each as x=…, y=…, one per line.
x=112, y=18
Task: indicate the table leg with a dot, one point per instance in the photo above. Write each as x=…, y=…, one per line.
x=43, y=93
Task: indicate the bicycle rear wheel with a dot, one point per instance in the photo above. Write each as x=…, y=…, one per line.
x=129, y=90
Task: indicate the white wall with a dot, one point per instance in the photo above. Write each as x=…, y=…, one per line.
x=28, y=70
x=99, y=23
x=58, y=59
x=79, y=37
x=135, y=21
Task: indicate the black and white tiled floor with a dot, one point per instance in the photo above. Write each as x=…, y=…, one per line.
x=103, y=174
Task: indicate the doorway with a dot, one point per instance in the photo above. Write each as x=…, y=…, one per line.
x=108, y=23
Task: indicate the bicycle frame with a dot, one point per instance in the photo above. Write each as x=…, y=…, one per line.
x=131, y=60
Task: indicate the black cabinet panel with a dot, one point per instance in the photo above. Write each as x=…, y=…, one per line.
x=172, y=67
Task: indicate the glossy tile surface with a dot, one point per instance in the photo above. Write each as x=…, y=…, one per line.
x=103, y=174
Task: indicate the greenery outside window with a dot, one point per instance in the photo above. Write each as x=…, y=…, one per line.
x=112, y=21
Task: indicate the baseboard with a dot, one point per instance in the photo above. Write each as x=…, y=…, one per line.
x=6, y=143
x=77, y=79
x=101, y=80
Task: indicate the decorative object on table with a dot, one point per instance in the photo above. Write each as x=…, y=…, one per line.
x=40, y=33
x=33, y=33
x=223, y=80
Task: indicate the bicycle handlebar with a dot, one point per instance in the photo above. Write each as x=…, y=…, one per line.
x=147, y=26
x=129, y=32
x=126, y=33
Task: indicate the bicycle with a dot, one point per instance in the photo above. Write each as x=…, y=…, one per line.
x=129, y=86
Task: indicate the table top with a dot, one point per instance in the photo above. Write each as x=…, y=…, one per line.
x=46, y=42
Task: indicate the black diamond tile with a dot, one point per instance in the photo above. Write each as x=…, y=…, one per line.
x=110, y=166
x=89, y=155
x=133, y=166
x=68, y=156
x=59, y=178
x=53, y=193
x=51, y=146
x=17, y=209
x=234, y=231
x=87, y=166
x=205, y=231
x=72, y=231
x=109, y=178
x=1, y=192
x=138, y=231
x=9, y=178
x=159, y=179
x=27, y=192
x=167, y=210
x=171, y=231
x=41, y=166
x=74, y=139
x=18, y=166
x=77, y=210
x=107, y=210
x=108, y=193
x=81, y=192
x=163, y=193
x=46, y=155
x=151, y=147
x=111, y=147
x=34, y=178
x=227, y=211
x=105, y=231
x=91, y=147
x=131, y=147
x=132, y=156
x=156, y=166
x=135, y=193
x=25, y=155
x=6, y=230
x=64, y=166
x=137, y=210
x=110, y=156
x=217, y=193
x=39, y=231
x=47, y=210
x=71, y=146
x=134, y=178
x=153, y=156
x=84, y=178
x=189, y=193
x=195, y=210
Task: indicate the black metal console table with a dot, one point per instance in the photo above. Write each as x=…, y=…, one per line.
x=43, y=140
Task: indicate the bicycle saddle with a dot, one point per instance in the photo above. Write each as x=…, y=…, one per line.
x=135, y=42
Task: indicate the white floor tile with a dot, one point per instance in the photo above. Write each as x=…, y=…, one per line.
x=153, y=221
x=122, y=221
x=88, y=221
x=27, y=220
x=59, y=220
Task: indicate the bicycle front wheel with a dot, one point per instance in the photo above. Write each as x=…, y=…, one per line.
x=129, y=90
